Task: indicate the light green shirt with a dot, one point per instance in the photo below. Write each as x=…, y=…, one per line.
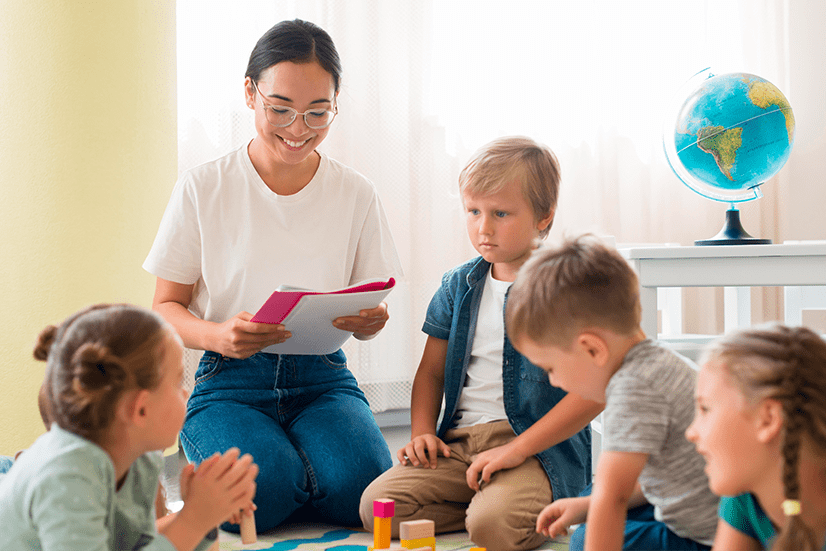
x=60, y=494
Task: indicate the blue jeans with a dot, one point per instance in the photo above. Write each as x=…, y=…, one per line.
x=642, y=532
x=305, y=422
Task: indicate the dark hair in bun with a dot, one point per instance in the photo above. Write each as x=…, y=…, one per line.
x=93, y=357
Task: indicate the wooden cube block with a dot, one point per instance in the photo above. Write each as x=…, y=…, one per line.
x=417, y=529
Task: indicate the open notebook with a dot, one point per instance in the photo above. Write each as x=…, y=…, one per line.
x=309, y=314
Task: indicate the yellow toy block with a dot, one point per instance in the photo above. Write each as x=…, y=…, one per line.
x=478, y=549
x=381, y=532
x=419, y=542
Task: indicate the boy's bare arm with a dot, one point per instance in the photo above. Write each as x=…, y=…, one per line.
x=569, y=416
x=425, y=405
x=615, y=490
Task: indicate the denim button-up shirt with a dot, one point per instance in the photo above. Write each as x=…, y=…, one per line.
x=527, y=392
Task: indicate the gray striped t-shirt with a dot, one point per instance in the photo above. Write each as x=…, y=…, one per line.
x=649, y=404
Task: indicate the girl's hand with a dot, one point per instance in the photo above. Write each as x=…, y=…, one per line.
x=555, y=519
x=186, y=477
x=490, y=461
x=238, y=515
x=160, y=502
x=423, y=450
x=367, y=324
x=240, y=338
x=220, y=486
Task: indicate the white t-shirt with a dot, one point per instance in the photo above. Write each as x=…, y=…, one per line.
x=226, y=232
x=482, y=398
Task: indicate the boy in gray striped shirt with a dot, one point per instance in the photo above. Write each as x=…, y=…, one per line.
x=575, y=312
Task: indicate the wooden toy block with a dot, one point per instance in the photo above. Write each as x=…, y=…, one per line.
x=248, y=532
x=420, y=542
x=381, y=532
x=417, y=529
x=384, y=508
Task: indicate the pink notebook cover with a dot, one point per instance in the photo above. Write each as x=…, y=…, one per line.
x=280, y=303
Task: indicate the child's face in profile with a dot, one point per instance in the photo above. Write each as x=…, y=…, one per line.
x=167, y=403
x=724, y=431
x=502, y=228
x=571, y=370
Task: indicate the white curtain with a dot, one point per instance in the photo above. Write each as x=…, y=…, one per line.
x=427, y=82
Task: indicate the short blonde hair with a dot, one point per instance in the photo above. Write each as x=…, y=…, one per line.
x=518, y=158
x=561, y=291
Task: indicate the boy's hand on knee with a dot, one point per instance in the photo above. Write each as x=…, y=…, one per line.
x=555, y=519
x=423, y=450
x=490, y=461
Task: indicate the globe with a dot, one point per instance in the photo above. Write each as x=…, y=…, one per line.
x=730, y=134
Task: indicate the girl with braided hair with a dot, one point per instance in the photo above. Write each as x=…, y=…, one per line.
x=760, y=424
x=112, y=394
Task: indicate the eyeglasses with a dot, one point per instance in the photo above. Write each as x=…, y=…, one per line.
x=281, y=116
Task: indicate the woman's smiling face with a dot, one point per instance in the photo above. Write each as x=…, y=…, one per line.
x=301, y=86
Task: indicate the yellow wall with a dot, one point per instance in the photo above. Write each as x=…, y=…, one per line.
x=87, y=162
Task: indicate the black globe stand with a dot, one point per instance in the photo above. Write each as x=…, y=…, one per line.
x=733, y=233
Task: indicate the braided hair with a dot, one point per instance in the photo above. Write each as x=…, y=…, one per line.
x=786, y=364
x=94, y=357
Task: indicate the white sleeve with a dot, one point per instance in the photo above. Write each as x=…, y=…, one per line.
x=176, y=253
x=376, y=254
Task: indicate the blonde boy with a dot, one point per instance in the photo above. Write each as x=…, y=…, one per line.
x=575, y=312
x=501, y=413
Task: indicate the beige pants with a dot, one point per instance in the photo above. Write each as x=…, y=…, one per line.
x=501, y=516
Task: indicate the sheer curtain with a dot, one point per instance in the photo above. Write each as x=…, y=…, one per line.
x=427, y=82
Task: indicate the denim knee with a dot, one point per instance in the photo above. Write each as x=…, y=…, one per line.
x=340, y=487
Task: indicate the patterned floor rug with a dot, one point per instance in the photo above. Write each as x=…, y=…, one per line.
x=322, y=537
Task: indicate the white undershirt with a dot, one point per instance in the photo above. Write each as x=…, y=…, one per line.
x=482, y=399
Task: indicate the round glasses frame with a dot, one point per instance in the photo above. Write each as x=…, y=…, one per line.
x=280, y=111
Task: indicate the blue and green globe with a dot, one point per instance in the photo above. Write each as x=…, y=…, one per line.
x=731, y=133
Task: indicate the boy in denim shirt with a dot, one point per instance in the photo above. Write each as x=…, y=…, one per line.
x=501, y=413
